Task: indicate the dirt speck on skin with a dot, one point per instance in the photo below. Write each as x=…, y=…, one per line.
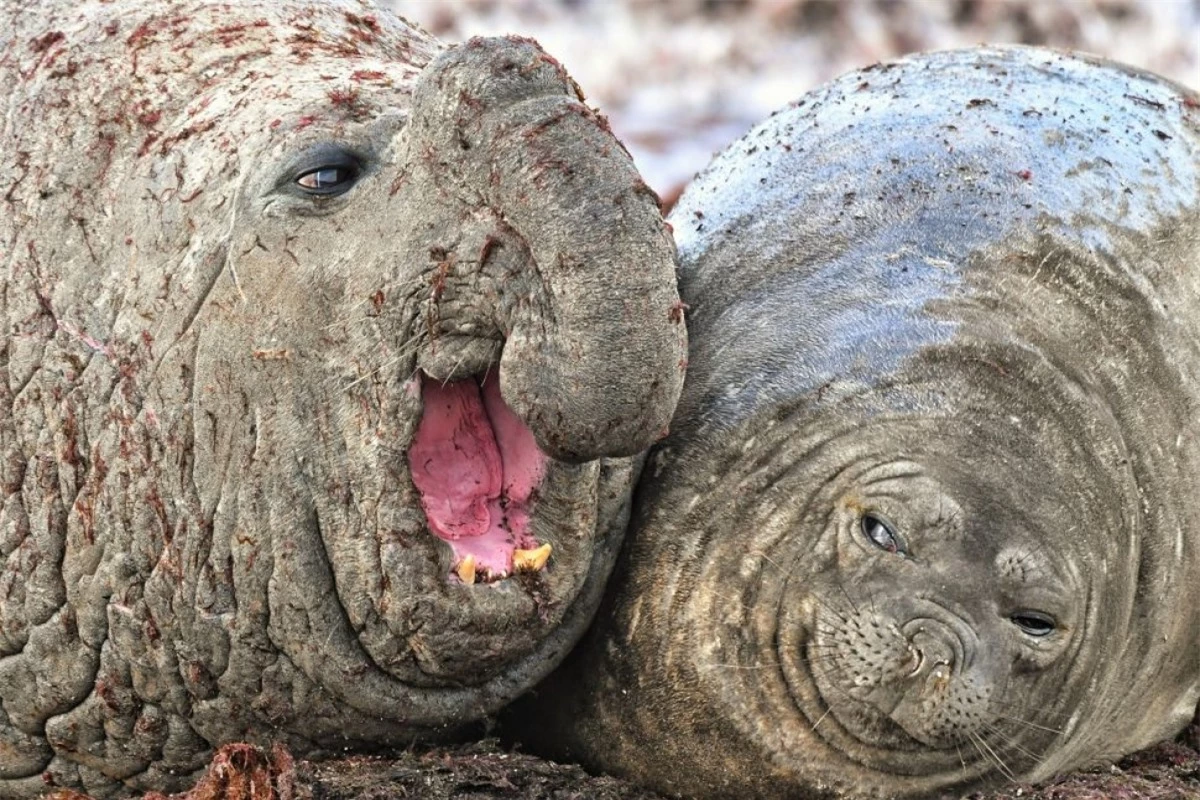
x=486, y=771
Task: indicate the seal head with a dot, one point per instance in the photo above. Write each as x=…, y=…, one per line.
x=328, y=352
x=925, y=518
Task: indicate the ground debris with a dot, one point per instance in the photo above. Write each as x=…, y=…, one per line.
x=476, y=771
x=236, y=772
x=485, y=770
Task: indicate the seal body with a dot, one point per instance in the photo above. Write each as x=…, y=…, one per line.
x=327, y=351
x=926, y=519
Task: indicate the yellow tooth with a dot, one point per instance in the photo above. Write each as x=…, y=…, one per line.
x=466, y=570
x=531, y=560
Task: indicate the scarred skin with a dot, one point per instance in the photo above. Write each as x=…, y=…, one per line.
x=926, y=519
x=211, y=375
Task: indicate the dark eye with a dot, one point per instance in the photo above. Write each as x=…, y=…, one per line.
x=328, y=180
x=1034, y=623
x=882, y=534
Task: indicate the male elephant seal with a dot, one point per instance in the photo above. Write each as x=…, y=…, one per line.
x=325, y=350
x=924, y=519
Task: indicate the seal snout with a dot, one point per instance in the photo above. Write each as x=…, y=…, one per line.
x=941, y=698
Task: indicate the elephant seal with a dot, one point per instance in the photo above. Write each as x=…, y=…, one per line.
x=328, y=352
x=924, y=519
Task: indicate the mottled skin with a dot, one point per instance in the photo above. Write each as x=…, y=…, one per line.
x=926, y=519
x=209, y=376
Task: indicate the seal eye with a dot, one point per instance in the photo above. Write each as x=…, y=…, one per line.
x=1034, y=623
x=881, y=534
x=327, y=180
x=320, y=173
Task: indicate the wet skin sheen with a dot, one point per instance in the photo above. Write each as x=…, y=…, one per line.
x=926, y=519
x=249, y=251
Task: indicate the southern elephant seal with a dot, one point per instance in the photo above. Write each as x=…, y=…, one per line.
x=247, y=245
x=924, y=519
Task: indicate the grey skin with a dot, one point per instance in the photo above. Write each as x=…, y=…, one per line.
x=211, y=376
x=926, y=519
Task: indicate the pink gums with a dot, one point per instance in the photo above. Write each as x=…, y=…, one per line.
x=476, y=465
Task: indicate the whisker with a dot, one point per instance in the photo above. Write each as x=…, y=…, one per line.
x=822, y=718
x=768, y=559
x=349, y=315
x=831, y=609
x=454, y=369
x=487, y=373
x=1027, y=723
x=833, y=683
x=1003, y=704
x=846, y=594
x=403, y=353
x=993, y=756
x=1036, y=548
x=1011, y=744
x=823, y=661
x=761, y=665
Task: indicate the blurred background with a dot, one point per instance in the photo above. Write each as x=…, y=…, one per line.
x=681, y=79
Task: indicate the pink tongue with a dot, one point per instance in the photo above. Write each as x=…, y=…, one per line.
x=475, y=465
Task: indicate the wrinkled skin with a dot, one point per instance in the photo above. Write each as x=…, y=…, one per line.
x=926, y=518
x=241, y=243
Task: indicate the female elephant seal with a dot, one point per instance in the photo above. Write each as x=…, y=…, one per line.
x=924, y=520
x=326, y=348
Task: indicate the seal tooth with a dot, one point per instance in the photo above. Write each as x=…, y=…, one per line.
x=465, y=569
x=531, y=560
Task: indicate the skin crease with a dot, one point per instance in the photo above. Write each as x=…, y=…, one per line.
x=211, y=377
x=925, y=521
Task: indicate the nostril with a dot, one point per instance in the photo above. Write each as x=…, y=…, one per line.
x=939, y=676
x=930, y=653
x=916, y=660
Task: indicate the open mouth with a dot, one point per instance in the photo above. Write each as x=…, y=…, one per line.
x=477, y=468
